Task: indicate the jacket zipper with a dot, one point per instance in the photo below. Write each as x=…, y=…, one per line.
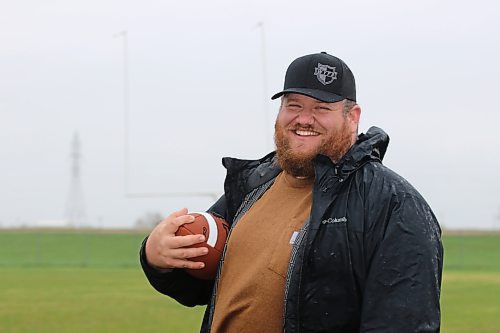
x=248, y=202
x=291, y=264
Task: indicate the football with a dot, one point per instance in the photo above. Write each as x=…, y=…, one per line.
x=215, y=230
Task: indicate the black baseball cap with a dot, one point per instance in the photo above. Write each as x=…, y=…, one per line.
x=320, y=76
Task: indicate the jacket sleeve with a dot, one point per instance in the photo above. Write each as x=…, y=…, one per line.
x=404, y=267
x=220, y=208
x=176, y=283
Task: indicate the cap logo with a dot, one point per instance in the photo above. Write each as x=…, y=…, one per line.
x=325, y=74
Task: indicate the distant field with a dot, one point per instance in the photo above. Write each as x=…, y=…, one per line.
x=69, y=248
x=472, y=252
x=91, y=282
x=470, y=298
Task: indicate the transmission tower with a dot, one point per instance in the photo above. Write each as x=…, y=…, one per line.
x=75, y=208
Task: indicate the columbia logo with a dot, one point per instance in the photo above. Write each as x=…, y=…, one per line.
x=335, y=220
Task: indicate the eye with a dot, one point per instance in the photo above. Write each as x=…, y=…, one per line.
x=294, y=106
x=324, y=109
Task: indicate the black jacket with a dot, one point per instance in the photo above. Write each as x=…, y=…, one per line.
x=368, y=260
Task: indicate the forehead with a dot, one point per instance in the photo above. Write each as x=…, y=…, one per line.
x=307, y=99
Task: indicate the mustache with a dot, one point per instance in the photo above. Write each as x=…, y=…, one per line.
x=302, y=127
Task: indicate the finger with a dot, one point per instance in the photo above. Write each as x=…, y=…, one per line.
x=185, y=241
x=180, y=212
x=179, y=263
x=178, y=221
x=174, y=221
x=176, y=214
x=187, y=252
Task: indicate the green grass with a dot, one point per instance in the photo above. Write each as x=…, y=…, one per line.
x=69, y=248
x=470, y=296
x=74, y=281
x=36, y=299
x=472, y=253
x=470, y=302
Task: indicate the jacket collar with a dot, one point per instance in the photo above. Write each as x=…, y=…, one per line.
x=368, y=147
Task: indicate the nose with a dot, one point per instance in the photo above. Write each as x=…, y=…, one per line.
x=306, y=117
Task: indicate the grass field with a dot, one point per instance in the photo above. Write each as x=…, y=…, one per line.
x=91, y=282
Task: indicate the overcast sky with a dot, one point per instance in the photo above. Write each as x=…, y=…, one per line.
x=201, y=74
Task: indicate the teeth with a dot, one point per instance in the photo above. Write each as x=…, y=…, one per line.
x=306, y=133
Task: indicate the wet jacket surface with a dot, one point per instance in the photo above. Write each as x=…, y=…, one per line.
x=368, y=260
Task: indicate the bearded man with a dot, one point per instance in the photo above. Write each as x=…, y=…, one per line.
x=324, y=237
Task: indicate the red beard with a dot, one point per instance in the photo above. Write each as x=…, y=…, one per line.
x=301, y=164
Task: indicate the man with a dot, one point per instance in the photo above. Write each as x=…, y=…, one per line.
x=324, y=238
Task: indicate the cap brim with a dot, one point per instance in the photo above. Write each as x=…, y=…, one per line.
x=314, y=93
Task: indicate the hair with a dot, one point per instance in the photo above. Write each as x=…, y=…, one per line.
x=282, y=99
x=348, y=105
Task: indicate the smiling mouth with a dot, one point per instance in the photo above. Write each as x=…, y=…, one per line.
x=301, y=132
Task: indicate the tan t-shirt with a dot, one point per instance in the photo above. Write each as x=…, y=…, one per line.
x=251, y=288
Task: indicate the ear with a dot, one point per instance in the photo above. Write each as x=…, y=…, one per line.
x=354, y=115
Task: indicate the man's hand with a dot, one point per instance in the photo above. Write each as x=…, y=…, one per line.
x=165, y=250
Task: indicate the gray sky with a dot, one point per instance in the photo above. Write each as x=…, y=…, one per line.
x=427, y=72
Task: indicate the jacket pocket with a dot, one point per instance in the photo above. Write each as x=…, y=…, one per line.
x=330, y=250
x=280, y=255
x=329, y=283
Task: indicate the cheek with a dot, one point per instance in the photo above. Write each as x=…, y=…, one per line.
x=335, y=124
x=328, y=125
x=285, y=118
